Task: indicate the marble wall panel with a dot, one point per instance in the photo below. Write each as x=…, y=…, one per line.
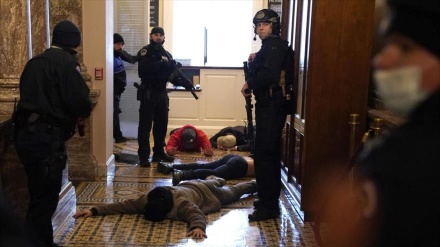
x=13, y=38
x=38, y=24
x=67, y=10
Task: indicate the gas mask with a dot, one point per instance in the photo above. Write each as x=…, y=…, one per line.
x=400, y=88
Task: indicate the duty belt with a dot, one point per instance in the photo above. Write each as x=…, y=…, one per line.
x=275, y=88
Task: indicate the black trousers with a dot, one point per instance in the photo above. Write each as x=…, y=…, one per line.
x=117, y=133
x=270, y=118
x=42, y=151
x=230, y=166
x=153, y=114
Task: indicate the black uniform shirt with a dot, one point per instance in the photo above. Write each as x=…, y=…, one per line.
x=151, y=68
x=51, y=85
x=268, y=63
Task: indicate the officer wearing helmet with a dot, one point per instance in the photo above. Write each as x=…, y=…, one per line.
x=263, y=81
x=154, y=69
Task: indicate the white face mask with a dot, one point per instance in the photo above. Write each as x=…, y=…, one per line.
x=400, y=88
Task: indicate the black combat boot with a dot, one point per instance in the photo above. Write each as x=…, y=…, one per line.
x=165, y=168
x=144, y=163
x=262, y=214
x=257, y=203
x=162, y=157
x=179, y=175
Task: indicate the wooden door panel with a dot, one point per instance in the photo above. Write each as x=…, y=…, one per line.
x=333, y=41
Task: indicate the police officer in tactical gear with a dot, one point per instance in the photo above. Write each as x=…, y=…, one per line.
x=264, y=82
x=119, y=82
x=154, y=69
x=54, y=99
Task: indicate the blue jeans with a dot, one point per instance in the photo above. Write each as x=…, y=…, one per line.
x=230, y=166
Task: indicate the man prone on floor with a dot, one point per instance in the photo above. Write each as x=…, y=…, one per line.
x=189, y=201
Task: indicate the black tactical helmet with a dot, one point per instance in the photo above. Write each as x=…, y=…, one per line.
x=268, y=15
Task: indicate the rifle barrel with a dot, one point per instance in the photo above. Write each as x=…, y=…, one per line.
x=194, y=94
x=180, y=73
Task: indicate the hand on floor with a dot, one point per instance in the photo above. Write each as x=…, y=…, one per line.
x=208, y=151
x=197, y=233
x=84, y=213
x=173, y=151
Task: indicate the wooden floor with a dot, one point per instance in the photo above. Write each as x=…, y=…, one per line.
x=228, y=227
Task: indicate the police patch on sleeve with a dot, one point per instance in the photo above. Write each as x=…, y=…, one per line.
x=143, y=52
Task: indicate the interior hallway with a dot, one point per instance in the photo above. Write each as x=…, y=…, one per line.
x=229, y=227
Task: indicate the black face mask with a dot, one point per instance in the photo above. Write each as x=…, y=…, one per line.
x=117, y=53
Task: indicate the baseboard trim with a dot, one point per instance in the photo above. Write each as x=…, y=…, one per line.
x=294, y=193
x=67, y=201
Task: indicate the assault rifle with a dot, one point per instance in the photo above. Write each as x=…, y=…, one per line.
x=250, y=126
x=177, y=78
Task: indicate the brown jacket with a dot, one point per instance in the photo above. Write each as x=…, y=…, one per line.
x=192, y=200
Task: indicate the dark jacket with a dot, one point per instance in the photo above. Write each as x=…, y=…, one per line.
x=266, y=67
x=151, y=68
x=405, y=167
x=238, y=132
x=52, y=86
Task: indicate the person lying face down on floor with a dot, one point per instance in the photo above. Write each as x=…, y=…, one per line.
x=189, y=202
x=188, y=138
x=230, y=166
x=238, y=132
x=227, y=142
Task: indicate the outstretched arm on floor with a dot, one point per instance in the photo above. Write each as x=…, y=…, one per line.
x=197, y=233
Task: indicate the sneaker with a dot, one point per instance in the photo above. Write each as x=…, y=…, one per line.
x=262, y=214
x=162, y=157
x=145, y=163
x=165, y=168
x=121, y=139
x=221, y=181
x=177, y=177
